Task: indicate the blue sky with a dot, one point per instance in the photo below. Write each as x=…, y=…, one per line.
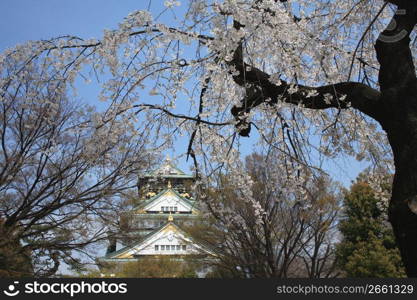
x=24, y=20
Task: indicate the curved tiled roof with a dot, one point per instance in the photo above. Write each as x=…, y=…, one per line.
x=168, y=170
x=160, y=194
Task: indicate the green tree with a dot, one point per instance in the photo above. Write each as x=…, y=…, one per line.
x=149, y=267
x=368, y=246
x=161, y=267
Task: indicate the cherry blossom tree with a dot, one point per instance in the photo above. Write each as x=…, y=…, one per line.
x=315, y=80
x=389, y=101
x=59, y=173
x=295, y=236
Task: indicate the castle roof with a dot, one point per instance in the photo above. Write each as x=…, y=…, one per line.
x=168, y=194
x=145, y=246
x=168, y=170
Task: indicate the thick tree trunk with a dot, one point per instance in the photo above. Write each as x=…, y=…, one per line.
x=404, y=223
x=402, y=134
x=400, y=123
x=397, y=79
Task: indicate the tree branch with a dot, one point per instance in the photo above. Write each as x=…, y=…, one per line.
x=260, y=89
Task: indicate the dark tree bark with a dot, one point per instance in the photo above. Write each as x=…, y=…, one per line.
x=398, y=85
x=394, y=107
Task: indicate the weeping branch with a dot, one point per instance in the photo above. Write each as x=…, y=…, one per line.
x=260, y=89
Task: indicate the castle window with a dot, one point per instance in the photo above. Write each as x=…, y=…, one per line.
x=156, y=247
x=178, y=247
x=184, y=247
x=172, y=247
x=175, y=208
x=162, y=247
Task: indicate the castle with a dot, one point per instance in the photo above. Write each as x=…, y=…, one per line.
x=155, y=225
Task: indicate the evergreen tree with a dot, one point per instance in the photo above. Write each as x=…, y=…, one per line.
x=368, y=246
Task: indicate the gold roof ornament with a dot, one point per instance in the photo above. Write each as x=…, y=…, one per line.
x=185, y=195
x=150, y=194
x=170, y=218
x=169, y=184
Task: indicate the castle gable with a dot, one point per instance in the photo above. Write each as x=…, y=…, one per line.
x=170, y=239
x=168, y=201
